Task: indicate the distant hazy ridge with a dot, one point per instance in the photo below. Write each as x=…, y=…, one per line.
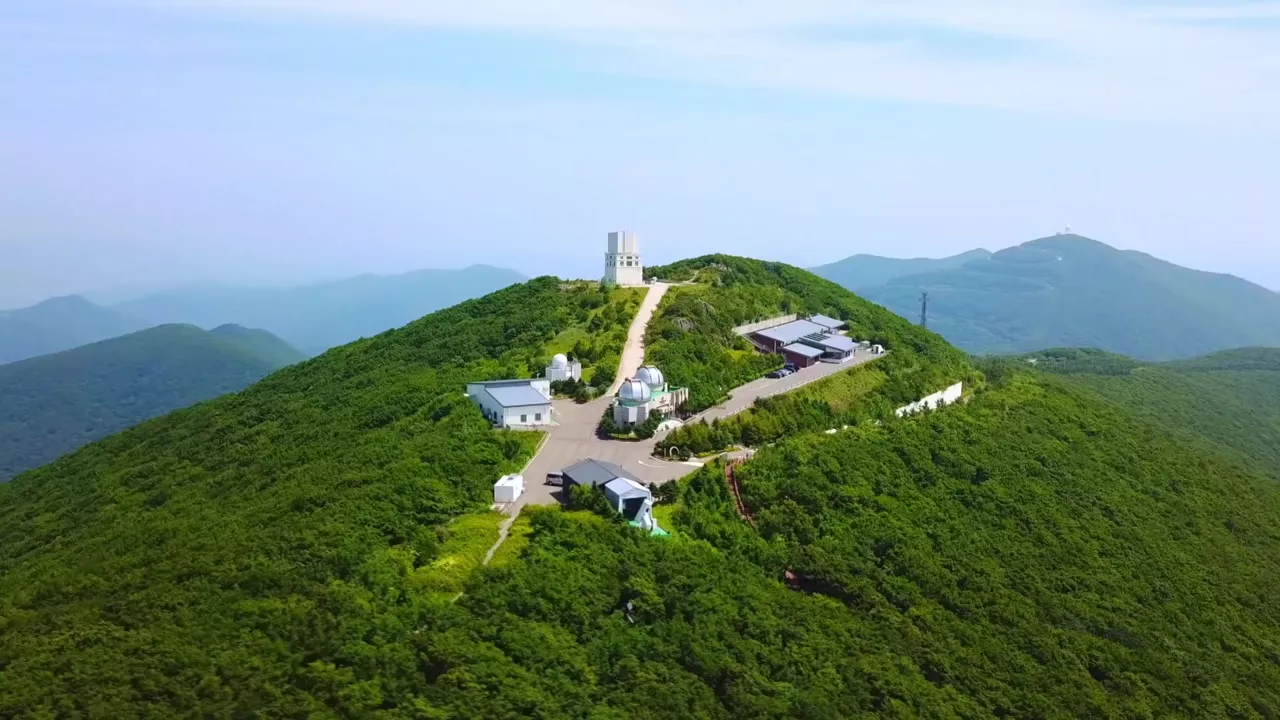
x=1070, y=291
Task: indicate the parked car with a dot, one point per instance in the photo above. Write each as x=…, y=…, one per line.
x=555, y=478
x=776, y=374
x=790, y=367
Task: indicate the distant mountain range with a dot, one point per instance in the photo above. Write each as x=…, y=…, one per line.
x=312, y=318
x=53, y=404
x=58, y=324
x=1069, y=291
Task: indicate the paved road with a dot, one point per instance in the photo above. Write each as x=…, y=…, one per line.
x=746, y=395
x=633, y=351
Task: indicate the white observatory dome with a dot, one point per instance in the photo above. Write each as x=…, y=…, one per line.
x=635, y=392
x=651, y=376
x=560, y=361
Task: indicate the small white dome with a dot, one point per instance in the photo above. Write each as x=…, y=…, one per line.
x=651, y=376
x=635, y=392
x=560, y=361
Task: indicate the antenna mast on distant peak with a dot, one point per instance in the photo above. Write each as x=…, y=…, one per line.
x=924, y=310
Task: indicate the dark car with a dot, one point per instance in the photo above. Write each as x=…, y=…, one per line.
x=776, y=374
x=790, y=367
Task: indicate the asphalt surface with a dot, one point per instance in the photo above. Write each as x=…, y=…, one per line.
x=745, y=396
x=633, y=350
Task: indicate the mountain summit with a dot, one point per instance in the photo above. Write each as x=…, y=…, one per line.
x=1072, y=291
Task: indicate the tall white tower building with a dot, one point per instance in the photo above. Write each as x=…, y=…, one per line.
x=622, y=261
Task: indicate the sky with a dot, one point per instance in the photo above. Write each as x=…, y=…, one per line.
x=151, y=143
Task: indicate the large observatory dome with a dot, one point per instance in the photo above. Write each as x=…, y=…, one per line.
x=651, y=376
x=560, y=361
x=635, y=392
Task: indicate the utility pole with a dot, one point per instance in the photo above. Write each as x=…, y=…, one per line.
x=924, y=310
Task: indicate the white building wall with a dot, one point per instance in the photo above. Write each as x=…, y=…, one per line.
x=622, y=264
x=572, y=372
x=528, y=416
x=934, y=401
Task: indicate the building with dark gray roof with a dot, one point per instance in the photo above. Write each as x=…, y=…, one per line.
x=623, y=490
x=594, y=472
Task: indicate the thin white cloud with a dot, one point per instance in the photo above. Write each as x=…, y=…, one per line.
x=1206, y=63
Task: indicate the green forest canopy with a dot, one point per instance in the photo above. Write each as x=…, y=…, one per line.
x=1231, y=398
x=1032, y=553
x=52, y=404
x=1035, y=552
x=248, y=552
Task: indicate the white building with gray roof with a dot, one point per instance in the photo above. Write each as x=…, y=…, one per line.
x=513, y=403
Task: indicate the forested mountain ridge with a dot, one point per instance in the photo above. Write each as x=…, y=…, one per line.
x=270, y=551
x=1229, y=398
x=52, y=404
x=1070, y=291
x=58, y=324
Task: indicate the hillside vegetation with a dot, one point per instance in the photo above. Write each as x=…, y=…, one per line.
x=1231, y=398
x=1070, y=291
x=691, y=337
x=292, y=550
x=58, y=324
x=272, y=551
x=53, y=404
x=1032, y=553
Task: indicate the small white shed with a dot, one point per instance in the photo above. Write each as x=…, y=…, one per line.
x=508, y=489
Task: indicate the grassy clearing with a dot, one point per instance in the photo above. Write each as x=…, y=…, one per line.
x=665, y=514
x=466, y=541
x=517, y=540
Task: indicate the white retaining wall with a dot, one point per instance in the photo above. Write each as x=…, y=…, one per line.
x=934, y=401
x=766, y=324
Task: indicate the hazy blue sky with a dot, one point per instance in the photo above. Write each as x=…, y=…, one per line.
x=158, y=141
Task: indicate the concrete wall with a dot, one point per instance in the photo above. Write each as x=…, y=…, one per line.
x=934, y=401
x=766, y=324
x=531, y=413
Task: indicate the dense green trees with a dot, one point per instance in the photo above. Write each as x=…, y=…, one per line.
x=1230, y=398
x=1032, y=553
x=286, y=551
x=262, y=552
x=52, y=404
